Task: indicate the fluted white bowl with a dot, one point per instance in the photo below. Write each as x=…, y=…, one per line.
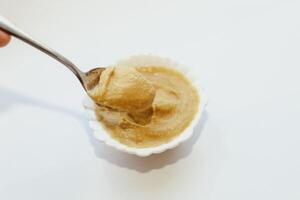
x=101, y=134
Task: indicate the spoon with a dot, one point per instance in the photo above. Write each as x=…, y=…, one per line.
x=87, y=79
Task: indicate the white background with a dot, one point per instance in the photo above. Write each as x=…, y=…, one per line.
x=247, y=53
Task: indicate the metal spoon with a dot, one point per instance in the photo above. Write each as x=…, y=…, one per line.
x=87, y=79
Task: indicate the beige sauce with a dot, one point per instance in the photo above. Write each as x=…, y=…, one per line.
x=173, y=108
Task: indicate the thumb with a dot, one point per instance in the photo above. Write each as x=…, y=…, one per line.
x=4, y=38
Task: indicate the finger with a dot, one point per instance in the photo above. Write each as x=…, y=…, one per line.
x=4, y=38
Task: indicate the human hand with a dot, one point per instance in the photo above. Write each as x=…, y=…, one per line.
x=4, y=38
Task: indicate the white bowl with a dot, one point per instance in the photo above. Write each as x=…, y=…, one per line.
x=101, y=134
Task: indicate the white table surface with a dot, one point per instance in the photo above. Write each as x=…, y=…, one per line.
x=247, y=53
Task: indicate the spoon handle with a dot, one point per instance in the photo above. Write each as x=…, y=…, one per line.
x=10, y=28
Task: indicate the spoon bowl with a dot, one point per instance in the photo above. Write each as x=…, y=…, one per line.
x=91, y=78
